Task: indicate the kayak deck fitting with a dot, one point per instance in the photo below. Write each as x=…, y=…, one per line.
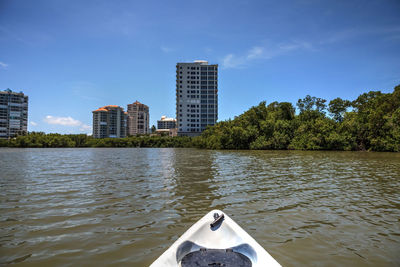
x=215, y=240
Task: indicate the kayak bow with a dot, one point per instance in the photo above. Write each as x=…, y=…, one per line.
x=215, y=240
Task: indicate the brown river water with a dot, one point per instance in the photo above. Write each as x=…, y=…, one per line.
x=125, y=206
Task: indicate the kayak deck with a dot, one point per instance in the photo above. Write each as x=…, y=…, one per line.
x=213, y=241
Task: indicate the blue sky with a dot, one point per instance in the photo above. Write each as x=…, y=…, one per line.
x=71, y=57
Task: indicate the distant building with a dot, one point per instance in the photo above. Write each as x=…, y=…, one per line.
x=13, y=113
x=196, y=96
x=166, y=123
x=109, y=121
x=138, y=119
x=166, y=132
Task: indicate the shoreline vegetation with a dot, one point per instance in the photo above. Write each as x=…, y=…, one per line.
x=371, y=122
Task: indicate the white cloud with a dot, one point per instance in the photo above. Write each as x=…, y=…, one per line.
x=28, y=37
x=65, y=121
x=271, y=50
x=85, y=128
x=255, y=52
x=3, y=65
x=231, y=61
x=166, y=49
x=384, y=33
x=33, y=123
x=263, y=52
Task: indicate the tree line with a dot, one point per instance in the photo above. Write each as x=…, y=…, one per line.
x=370, y=122
x=40, y=139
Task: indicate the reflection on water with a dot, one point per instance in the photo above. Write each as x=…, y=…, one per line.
x=120, y=206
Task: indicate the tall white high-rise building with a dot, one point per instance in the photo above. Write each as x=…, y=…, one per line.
x=13, y=113
x=196, y=96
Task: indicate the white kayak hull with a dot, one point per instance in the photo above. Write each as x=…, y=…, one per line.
x=225, y=235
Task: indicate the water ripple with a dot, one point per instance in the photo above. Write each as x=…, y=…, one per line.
x=126, y=206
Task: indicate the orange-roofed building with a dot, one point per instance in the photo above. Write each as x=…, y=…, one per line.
x=109, y=122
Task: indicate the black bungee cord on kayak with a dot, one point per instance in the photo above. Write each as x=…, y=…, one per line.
x=217, y=220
